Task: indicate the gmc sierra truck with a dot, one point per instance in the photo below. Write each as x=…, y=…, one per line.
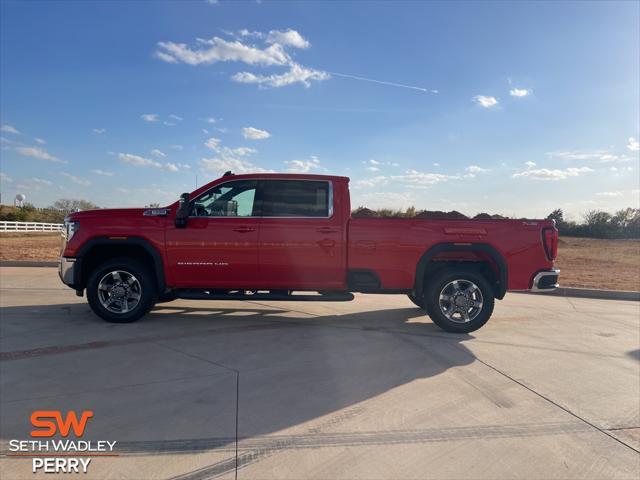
x=292, y=237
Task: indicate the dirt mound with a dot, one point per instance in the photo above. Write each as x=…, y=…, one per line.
x=363, y=212
x=486, y=216
x=439, y=215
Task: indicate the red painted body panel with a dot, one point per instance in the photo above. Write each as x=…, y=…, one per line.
x=309, y=253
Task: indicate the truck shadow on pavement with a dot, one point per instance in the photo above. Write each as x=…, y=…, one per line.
x=313, y=376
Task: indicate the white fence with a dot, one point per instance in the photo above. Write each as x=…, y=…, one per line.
x=30, y=227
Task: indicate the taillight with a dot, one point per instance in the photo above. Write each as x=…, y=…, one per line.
x=550, y=238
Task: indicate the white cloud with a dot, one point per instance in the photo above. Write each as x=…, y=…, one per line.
x=205, y=131
x=371, y=165
x=227, y=158
x=529, y=164
x=371, y=182
x=99, y=131
x=272, y=53
x=609, y=194
x=9, y=129
x=5, y=178
x=303, y=166
x=176, y=147
x=210, y=120
x=150, y=117
x=414, y=177
x=41, y=181
x=158, y=153
x=288, y=37
x=519, y=92
x=213, y=143
x=104, y=173
x=472, y=170
x=485, y=101
x=633, y=145
x=176, y=117
x=392, y=200
x=169, y=124
x=556, y=174
x=255, y=133
x=297, y=73
x=139, y=161
x=602, y=156
x=218, y=49
x=40, y=141
x=436, y=164
x=39, y=153
x=237, y=165
x=77, y=180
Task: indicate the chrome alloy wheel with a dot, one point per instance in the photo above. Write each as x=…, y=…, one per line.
x=119, y=291
x=460, y=301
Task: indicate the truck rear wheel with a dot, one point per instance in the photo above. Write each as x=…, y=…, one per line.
x=459, y=301
x=121, y=290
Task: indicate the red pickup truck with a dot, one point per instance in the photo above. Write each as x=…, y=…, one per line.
x=292, y=237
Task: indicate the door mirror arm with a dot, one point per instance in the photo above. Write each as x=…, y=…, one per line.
x=182, y=214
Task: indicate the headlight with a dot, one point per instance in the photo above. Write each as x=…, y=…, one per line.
x=70, y=228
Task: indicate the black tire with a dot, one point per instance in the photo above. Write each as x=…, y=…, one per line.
x=147, y=290
x=167, y=297
x=444, y=279
x=418, y=302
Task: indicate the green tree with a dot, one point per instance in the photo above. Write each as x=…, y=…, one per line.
x=557, y=215
x=72, y=205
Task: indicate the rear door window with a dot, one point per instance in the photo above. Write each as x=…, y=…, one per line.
x=295, y=198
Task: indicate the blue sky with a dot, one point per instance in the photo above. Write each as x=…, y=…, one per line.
x=507, y=107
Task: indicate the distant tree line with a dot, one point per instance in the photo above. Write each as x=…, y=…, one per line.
x=598, y=224
x=53, y=214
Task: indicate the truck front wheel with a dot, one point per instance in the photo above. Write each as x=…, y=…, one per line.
x=459, y=301
x=121, y=290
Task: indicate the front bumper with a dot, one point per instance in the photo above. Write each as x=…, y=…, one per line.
x=546, y=281
x=66, y=270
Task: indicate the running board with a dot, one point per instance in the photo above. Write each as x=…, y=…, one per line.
x=281, y=297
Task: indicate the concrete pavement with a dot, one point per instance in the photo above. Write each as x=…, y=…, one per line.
x=549, y=388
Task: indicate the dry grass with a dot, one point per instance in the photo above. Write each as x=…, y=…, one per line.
x=29, y=246
x=602, y=264
x=585, y=262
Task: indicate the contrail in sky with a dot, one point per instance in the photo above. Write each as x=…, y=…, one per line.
x=392, y=84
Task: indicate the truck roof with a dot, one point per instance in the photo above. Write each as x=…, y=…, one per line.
x=285, y=175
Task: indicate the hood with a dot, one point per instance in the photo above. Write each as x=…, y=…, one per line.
x=108, y=212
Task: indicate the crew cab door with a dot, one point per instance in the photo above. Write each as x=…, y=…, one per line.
x=302, y=240
x=218, y=248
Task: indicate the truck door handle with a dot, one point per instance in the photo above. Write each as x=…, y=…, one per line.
x=327, y=243
x=327, y=230
x=244, y=229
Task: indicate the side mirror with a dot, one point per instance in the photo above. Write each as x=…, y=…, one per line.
x=182, y=214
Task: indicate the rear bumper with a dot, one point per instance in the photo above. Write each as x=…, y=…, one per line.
x=545, y=281
x=66, y=270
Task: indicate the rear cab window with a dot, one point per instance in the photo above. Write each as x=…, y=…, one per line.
x=297, y=198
